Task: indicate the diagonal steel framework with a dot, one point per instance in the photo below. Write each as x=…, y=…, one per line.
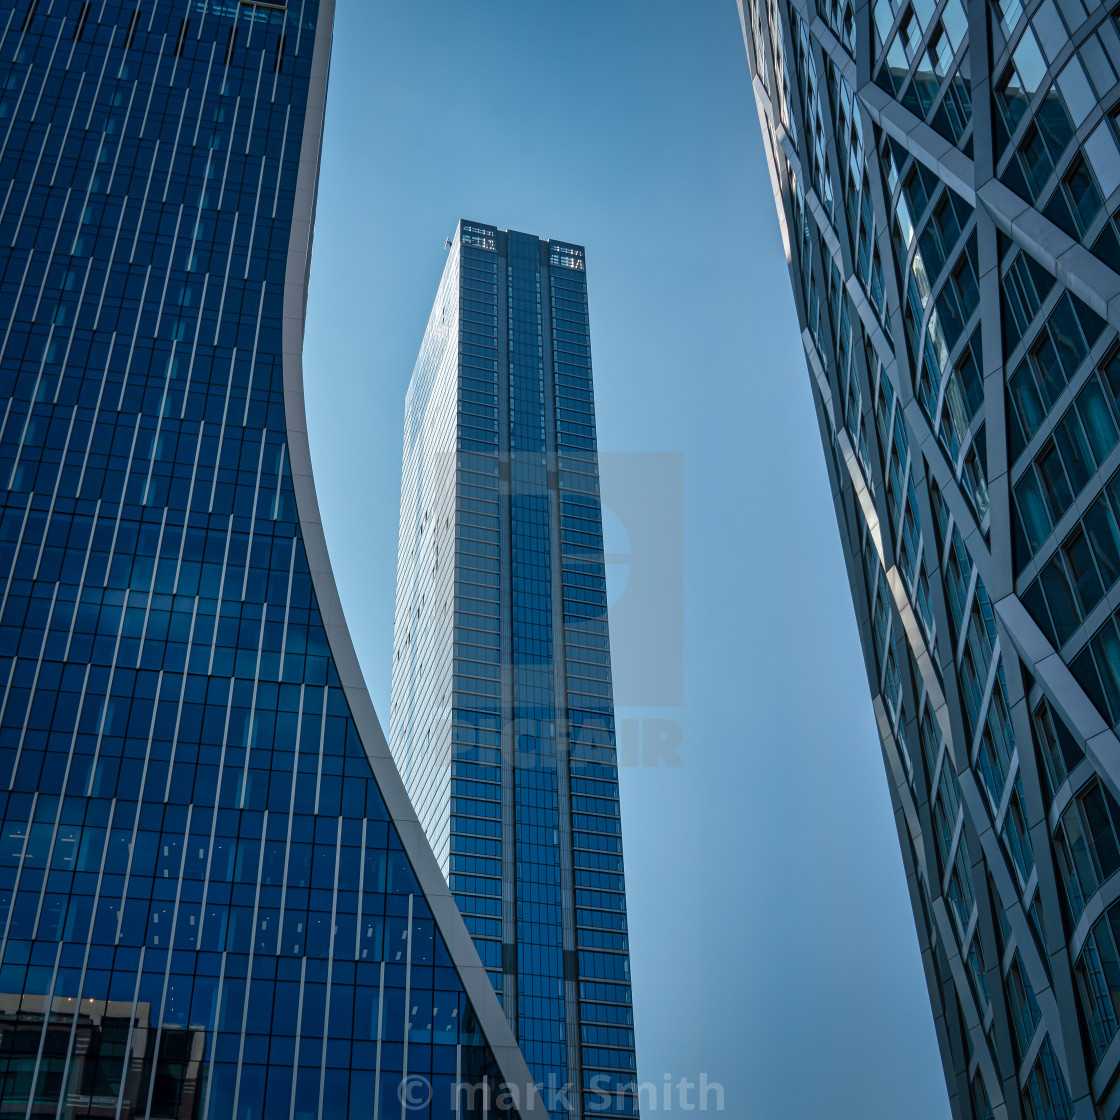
x=949, y=230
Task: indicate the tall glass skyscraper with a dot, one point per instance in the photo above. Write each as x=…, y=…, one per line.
x=947, y=178
x=502, y=719
x=215, y=899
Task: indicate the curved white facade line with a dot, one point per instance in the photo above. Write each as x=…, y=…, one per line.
x=475, y=982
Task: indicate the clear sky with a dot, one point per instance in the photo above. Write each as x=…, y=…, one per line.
x=772, y=938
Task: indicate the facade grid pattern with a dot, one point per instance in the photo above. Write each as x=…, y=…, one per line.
x=947, y=180
x=214, y=899
x=531, y=819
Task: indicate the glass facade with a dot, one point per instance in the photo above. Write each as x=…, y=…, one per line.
x=502, y=712
x=210, y=884
x=947, y=179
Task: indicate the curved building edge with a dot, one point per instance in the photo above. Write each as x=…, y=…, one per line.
x=449, y=921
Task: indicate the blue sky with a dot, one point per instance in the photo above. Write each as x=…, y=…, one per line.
x=772, y=938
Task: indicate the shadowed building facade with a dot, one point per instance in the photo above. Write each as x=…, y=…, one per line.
x=502, y=720
x=947, y=178
x=215, y=900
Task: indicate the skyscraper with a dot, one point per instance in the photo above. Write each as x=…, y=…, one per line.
x=946, y=179
x=502, y=719
x=215, y=900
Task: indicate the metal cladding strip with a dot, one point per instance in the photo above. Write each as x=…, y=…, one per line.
x=448, y=920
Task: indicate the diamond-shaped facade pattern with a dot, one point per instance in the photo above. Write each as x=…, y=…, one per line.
x=946, y=179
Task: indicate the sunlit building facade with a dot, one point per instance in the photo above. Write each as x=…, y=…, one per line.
x=502, y=720
x=215, y=899
x=947, y=178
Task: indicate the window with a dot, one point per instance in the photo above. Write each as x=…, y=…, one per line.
x=1077, y=203
x=1081, y=441
x=981, y=1105
x=977, y=974
x=945, y=810
x=1025, y=285
x=1019, y=83
x=942, y=231
x=1016, y=836
x=1097, y=669
x=1056, y=489
x=1025, y=1014
x=1086, y=565
x=1087, y=845
x=960, y=890
x=960, y=297
x=1045, y=1096
x=1098, y=981
x=997, y=744
x=919, y=188
x=1035, y=162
